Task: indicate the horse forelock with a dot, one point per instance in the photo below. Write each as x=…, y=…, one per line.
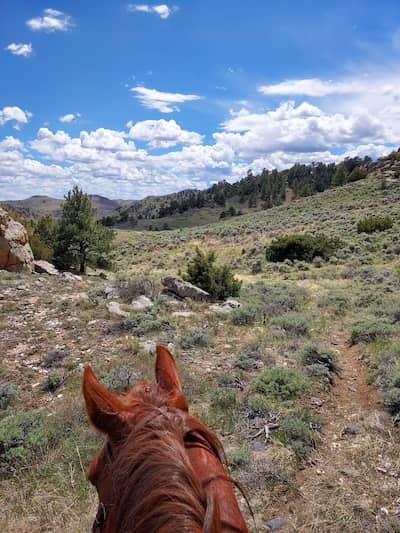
x=154, y=482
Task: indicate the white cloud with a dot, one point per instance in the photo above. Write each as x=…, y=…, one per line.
x=162, y=101
x=14, y=114
x=69, y=117
x=302, y=128
x=311, y=87
x=20, y=49
x=162, y=10
x=162, y=133
x=51, y=20
x=105, y=139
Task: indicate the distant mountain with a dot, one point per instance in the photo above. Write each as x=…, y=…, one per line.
x=37, y=206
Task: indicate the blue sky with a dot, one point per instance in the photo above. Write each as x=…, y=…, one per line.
x=128, y=99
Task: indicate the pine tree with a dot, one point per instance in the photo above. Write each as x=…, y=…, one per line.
x=339, y=178
x=80, y=240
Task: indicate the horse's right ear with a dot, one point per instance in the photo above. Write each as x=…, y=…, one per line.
x=103, y=407
x=168, y=379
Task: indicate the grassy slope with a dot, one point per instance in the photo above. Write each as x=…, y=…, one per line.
x=222, y=362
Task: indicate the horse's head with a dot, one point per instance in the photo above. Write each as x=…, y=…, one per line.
x=155, y=408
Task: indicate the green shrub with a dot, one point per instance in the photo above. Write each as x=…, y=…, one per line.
x=143, y=322
x=224, y=399
x=8, y=393
x=271, y=300
x=239, y=458
x=281, y=383
x=391, y=400
x=120, y=378
x=298, y=431
x=374, y=223
x=245, y=362
x=292, y=323
x=53, y=381
x=21, y=437
x=371, y=328
x=335, y=301
x=302, y=247
x=218, y=280
x=358, y=173
x=244, y=316
x=195, y=337
x=314, y=354
x=392, y=525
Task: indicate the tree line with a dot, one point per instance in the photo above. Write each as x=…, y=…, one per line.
x=256, y=190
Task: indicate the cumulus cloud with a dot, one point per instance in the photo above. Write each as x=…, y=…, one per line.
x=69, y=117
x=52, y=20
x=162, y=10
x=302, y=128
x=14, y=114
x=162, y=133
x=311, y=87
x=162, y=101
x=20, y=49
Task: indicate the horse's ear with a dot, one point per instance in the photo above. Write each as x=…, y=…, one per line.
x=103, y=407
x=168, y=379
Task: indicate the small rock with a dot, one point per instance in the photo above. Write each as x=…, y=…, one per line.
x=352, y=429
x=148, y=346
x=348, y=471
x=111, y=293
x=141, y=303
x=183, y=314
x=225, y=307
x=316, y=402
x=258, y=446
x=275, y=524
x=114, y=308
x=68, y=276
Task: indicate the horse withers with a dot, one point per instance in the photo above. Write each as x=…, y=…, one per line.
x=160, y=470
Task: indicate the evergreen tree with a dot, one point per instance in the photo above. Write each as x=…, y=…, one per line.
x=339, y=177
x=80, y=240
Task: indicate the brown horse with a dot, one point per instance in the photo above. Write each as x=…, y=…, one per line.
x=160, y=470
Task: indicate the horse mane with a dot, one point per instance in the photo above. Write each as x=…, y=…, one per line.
x=154, y=483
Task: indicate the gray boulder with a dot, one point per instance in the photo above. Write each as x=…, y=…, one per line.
x=141, y=303
x=15, y=253
x=44, y=267
x=183, y=289
x=114, y=308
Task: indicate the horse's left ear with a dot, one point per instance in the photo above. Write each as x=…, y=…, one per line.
x=104, y=408
x=168, y=379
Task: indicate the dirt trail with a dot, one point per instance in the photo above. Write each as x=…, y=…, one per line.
x=350, y=401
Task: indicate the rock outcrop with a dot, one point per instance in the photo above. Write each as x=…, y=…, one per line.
x=15, y=253
x=184, y=289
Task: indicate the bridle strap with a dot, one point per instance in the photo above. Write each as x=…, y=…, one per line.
x=100, y=518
